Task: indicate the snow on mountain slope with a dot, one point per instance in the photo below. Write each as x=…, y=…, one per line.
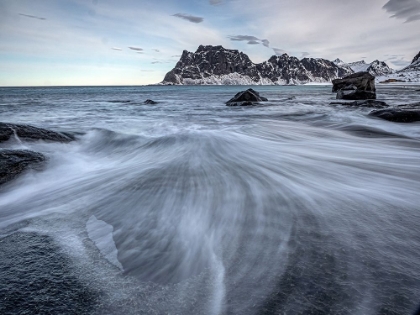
x=359, y=66
x=376, y=68
x=409, y=74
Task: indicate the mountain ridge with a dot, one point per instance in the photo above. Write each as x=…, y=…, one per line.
x=217, y=65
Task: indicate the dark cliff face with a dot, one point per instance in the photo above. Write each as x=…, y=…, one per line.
x=416, y=58
x=211, y=61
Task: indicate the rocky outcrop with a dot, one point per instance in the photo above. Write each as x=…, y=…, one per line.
x=357, y=86
x=217, y=65
x=246, y=98
x=150, y=102
x=401, y=114
x=14, y=162
x=32, y=133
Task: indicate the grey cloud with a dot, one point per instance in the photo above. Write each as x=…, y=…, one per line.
x=409, y=10
x=242, y=38
x=190, y=18
x=252, y=40
x=265, y=42
x=116, y=48
x=32, y=16
x=216, y=2
x=136, y=48
x=305, y=54
x=157, y=50
x=279, y=51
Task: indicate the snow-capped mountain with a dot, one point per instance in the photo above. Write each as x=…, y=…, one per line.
x=359, y=66
x=411, y=73
x=217, y=65
x=375, y=68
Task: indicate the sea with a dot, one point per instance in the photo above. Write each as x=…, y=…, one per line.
x=189, y=206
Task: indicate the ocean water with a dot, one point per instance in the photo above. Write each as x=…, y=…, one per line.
x=193, y=207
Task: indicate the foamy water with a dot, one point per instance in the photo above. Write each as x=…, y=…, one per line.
x=192, y=207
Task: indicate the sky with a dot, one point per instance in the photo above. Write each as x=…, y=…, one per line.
x=135, y=42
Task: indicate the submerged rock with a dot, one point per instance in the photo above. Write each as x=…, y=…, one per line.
x=14, y=162
x=357, y=86
x=363, y=103
x=33, y=133
x=397, y=115
x=402, y=114
x=150, y=102
x=246, y=98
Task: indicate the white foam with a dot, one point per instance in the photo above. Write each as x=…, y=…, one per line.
x=100, y=233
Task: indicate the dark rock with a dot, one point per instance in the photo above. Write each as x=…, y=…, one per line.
x=32, y=133
x=361, y=81
x=357, y=86
x=355, y=95
x=363, y=103
x=14, y=162
x=215, y=61
x=150, y=102
x=402, y=114
x=37, y=278
x=246, y=98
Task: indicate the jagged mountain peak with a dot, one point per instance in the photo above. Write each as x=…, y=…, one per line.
x=218, y=65
x=339, y=62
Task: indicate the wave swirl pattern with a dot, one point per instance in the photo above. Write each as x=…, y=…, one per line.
x=299, y=210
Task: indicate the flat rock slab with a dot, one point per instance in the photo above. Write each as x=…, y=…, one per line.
x=32, y=133
x=363, y=103
x=246, y=98
x=14, y=162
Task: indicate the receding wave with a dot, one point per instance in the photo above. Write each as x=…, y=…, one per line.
x=236, y=213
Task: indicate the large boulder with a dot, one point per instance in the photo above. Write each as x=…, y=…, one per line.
x=355, y=94
x=245, y=98
x=361, y=80
x=357, y=86
x=32, y=133
x=401, y=114
x=14, y=162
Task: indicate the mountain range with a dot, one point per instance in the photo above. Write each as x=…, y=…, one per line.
x=215, y=65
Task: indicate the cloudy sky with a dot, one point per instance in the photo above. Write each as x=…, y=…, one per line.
x=108, y=42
